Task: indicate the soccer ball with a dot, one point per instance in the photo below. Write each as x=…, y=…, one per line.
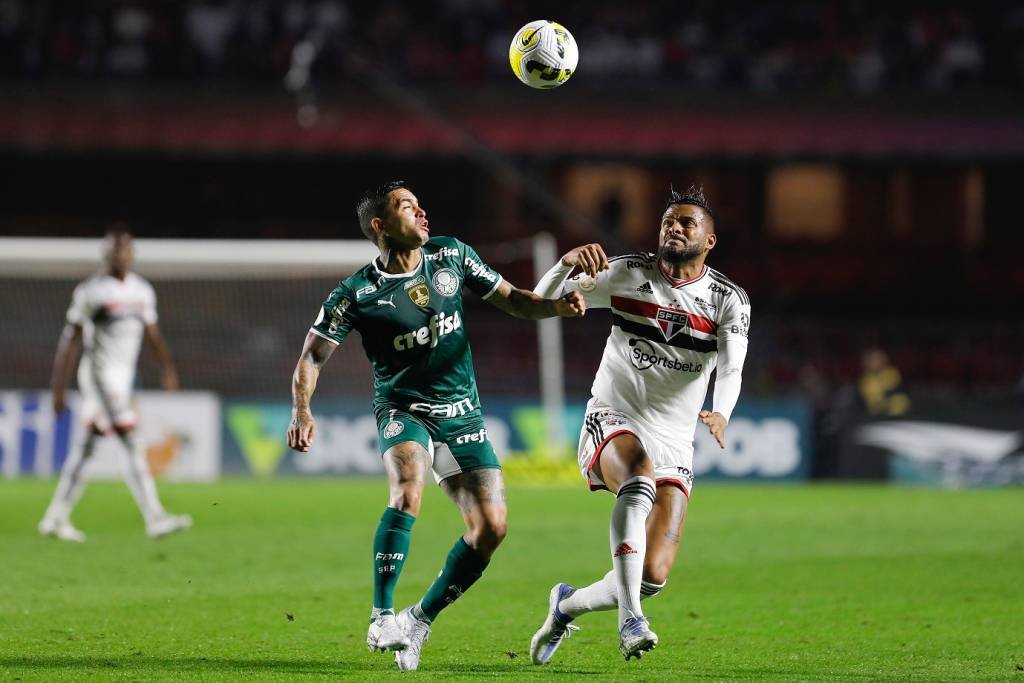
x=543, y=54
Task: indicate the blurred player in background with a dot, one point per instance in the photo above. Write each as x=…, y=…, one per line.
x=109, y=315
x=673, y=321
x=407, y=306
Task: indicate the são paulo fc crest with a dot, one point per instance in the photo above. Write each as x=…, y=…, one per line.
x=393, y=429
x=445, y=282
x=672, y=322
x=419, y=294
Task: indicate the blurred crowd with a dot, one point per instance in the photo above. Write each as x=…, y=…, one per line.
x=858, y=46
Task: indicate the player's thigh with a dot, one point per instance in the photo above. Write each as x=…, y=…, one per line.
x=622, y=458
x=665, y=527
x=406, y=448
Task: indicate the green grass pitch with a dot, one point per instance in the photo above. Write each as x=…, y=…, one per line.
x=773, y=582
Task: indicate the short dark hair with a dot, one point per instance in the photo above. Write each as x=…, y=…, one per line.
x=373, y=203
x=117, y=230
x=694, y=195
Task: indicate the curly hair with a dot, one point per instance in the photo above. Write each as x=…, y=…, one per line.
x=694, y=195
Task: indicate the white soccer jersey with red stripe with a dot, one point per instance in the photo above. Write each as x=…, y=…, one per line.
x=664, y=341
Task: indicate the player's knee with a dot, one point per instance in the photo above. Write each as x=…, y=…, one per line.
x=406, y=499
x=489, y=534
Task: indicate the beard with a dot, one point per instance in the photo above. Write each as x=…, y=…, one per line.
x=673, y=254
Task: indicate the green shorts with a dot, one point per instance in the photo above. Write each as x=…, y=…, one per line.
x=455, y=444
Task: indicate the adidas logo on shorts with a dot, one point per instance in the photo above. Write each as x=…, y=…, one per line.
x=645, y=288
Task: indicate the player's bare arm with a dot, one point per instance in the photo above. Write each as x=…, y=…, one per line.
x=315, y=353
x=63, y=364
x=168, y=373
x=523, y=303
x=590, y=258
x=716, y=424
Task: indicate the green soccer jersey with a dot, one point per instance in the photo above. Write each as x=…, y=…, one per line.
x=413, y=328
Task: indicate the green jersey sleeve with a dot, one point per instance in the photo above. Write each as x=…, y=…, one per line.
x=481, y=279
x=337, y=315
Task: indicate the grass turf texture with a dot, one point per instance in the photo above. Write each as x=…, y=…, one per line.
x=816, y=582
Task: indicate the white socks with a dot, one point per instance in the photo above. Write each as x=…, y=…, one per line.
x=69, y=488
x=601, y=595
x=628, y=541
x=623, y=586
x=140, y=481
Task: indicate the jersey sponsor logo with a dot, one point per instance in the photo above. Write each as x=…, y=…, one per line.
x=706, y=305
x=637, y=264
x=445, y=282
x=443, y=410
x=337, y=315
x=719, y=289
x=480, y=270
x=474, y=437
x=390, y=301
x=438, y=326
x=744, y=326
x=418, y=280
x=368, y=289
x=672, y=322
x=644, y=356
x=419, y=295
x=442, y=253
x=611, y=418
x=340, y=308
x=393, y=429
x=389, y=556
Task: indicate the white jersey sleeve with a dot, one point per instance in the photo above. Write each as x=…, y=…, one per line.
x=732, y=351
x=81, y=310
x=595, y=290
x=149, y=316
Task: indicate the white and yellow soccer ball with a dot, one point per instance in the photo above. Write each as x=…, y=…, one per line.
x=543, y=54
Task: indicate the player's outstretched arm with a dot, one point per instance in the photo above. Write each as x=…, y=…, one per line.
x=590, y=258
x=63, y=364
x=315, y=353
x=168, y=373
x=523, y=303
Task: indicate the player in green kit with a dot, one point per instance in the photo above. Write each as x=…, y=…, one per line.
x=407, y=307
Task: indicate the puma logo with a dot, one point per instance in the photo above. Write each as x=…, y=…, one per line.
x=390, y=301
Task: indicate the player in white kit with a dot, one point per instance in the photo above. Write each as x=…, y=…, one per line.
x=674, y=320
x=109, y=315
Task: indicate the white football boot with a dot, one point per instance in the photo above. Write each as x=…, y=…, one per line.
x=163, y=525
x=636, y=637
x=418, y=631
x=384, y=634
x=61, y=528
x=556, y=628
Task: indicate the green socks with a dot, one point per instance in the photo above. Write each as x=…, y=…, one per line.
x=390, y=548
x=461, y=570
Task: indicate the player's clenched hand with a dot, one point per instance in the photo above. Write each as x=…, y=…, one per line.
x=589, y=257
x=716, y=425
x=301, y=432
x=571, y=305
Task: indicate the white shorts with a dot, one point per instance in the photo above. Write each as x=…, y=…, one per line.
x=673, y=463
x=106, y=398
